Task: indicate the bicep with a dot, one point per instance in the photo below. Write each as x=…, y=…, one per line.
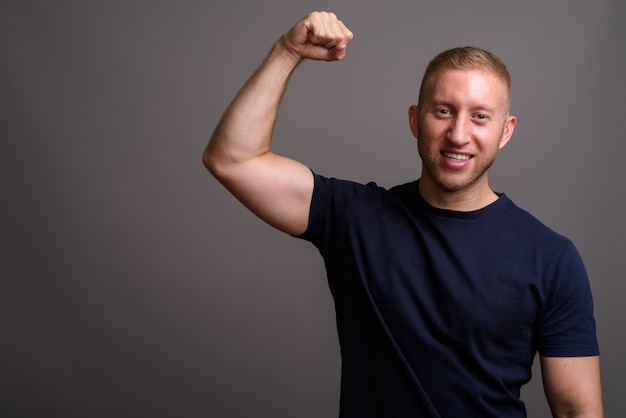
x=275, y=188
x=572, y=385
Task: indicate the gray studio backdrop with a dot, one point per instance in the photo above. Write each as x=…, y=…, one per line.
x=133, y=285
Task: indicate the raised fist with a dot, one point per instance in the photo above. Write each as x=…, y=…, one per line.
x=319, y=36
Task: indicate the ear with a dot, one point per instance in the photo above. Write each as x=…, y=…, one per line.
x=507, y=132
x=413, y=119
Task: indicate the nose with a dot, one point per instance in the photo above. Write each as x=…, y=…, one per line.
x=459, y=131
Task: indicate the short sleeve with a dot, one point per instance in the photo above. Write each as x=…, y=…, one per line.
x=566, y=325
x=330, y=199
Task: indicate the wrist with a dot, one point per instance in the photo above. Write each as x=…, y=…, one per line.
x=282, y=52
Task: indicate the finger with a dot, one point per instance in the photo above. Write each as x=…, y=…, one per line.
x=344, y=35
x=328, y=31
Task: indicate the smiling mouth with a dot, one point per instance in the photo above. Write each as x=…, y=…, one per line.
x=457, y=157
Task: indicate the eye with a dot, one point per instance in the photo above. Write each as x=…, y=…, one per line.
x=444, y=112
x=481, y=117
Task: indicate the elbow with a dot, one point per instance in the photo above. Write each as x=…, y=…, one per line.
x=220, y=164
x=207, y=160
x=210, y=160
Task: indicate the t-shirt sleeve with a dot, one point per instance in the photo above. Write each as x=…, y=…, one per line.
x=566, y=326
x=318, y=212
x=331, y=197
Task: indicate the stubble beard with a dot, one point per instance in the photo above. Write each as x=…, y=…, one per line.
x=448, y=183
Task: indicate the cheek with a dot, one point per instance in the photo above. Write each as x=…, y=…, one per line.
x=425, y=129
x=426, y=123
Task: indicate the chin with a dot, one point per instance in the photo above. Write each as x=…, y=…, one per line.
x=454, y=185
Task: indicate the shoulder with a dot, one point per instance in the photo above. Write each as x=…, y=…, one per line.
x=560, y=261
x=337, y=202
x=341, y=191
x=528, y=225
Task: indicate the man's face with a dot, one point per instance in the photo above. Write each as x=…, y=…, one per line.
x=461, y=123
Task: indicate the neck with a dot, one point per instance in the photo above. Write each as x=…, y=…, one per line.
x=471, y=198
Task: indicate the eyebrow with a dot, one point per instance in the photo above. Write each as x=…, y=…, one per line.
x=474, y=108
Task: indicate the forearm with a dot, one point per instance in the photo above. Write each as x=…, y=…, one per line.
x=245, y=130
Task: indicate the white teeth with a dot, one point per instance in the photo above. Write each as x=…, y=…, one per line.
x=456, y=156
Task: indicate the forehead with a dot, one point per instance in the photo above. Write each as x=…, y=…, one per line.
x=476, y=87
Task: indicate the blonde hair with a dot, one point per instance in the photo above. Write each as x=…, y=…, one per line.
x=468, y=58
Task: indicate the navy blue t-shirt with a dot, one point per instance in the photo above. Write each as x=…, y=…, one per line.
x=440, y=313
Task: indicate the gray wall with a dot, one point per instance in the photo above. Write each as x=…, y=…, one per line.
x=133, y=285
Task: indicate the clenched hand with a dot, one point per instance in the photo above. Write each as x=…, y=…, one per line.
x=319, y=36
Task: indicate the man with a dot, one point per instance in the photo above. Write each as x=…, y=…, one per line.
x=443, y=289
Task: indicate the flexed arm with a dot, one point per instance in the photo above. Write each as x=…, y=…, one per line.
x=275, y=188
